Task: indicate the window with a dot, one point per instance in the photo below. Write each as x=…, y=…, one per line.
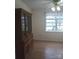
x=54, y=22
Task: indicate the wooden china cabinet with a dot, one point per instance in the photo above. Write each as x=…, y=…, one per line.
x=23, y=33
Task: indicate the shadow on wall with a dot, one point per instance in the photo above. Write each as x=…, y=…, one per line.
x=55, y=36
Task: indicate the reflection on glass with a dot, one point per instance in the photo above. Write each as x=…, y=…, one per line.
x=22, y=23
x=26, y=20
x=26, y=28
x=26, y=23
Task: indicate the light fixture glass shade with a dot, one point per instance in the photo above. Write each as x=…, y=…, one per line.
x=58, y=8
x=53, y=9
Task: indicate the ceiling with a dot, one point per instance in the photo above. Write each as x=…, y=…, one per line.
x=39, y=4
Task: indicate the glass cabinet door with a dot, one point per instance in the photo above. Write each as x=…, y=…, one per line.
x=26, y=23
x=22, y=23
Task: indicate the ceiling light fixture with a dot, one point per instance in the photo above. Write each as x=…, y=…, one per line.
x=56, y=8
x=53, y=9
x=56, y=5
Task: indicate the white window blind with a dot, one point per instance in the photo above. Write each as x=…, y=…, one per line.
x=54, y=22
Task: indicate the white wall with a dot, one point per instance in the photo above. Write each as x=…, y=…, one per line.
x=21, y=4
x=38, y=28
